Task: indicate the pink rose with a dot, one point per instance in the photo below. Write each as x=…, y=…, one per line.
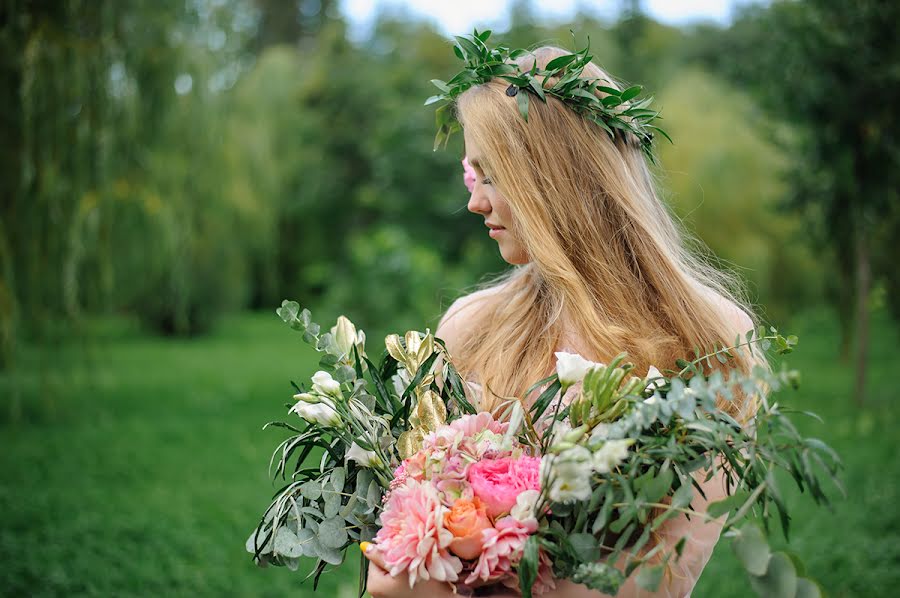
x=498, y=482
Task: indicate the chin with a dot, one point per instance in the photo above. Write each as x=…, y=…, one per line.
x=514, y=258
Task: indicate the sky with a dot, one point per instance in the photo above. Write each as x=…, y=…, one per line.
x=455, y=17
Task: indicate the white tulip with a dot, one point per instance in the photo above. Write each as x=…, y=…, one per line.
x=611, y=454
x=363, y=457
x=571, y=368
x=325, y=384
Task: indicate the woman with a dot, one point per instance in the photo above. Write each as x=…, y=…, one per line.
x=600, y=267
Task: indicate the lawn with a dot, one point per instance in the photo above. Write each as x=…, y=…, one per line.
x=134, y=465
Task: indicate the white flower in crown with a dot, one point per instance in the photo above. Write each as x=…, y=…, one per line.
x=611, y=455
x=571, y=368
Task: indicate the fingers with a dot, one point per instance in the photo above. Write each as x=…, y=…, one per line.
x=373, y=554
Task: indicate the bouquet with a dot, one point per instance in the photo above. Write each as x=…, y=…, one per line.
x=574, y=486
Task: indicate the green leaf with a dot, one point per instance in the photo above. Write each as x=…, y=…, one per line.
x=585, y=547
x=779, y=580
x=630, y=93
x=683, y=496
x=655, y=487
x=559, y=62
x=610, y=90
x=719, y=508
x=807, y=588
x=752, y=550
x=332, y=532
x=649, y=577
x=468, y=47
x=522, y=101
x=287, y=544
x=538, y=90
x=528, y=565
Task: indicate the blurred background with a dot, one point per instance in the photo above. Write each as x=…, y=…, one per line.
x=170, y=171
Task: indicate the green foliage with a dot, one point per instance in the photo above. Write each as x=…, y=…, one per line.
x=614, y=111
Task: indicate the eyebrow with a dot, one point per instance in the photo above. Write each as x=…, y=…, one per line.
x=475, y=163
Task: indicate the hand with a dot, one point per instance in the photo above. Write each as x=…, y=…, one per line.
x=381, y=584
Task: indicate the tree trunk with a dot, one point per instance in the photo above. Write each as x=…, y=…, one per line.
x=863, y=286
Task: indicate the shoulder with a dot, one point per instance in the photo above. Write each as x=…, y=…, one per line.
x=453, y=323
x=738, y=318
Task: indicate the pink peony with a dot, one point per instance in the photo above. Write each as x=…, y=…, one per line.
x=468, y=174
x=501, y=549
x=413, y=538
x=498, y=482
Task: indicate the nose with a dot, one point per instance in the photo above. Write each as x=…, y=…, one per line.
x=478, y=201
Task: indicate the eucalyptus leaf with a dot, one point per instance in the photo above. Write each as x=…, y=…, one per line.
x=779, y=580
x=287, y=543
x=752, y=550
x=332, y=532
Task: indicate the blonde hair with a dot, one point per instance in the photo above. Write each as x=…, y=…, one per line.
x=604, y=251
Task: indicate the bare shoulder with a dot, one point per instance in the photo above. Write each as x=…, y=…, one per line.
x=740, y=321
x=453, y=322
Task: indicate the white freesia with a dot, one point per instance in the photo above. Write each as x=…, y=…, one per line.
x=611, y=454
x=525, y=503
x=571, y=368
x=363, y=457
x=324, y=384
x=316, y=410
x=568, y=474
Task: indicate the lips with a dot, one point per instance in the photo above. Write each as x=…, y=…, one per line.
x=494, y=226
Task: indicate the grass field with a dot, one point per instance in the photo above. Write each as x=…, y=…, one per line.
x=136, y=465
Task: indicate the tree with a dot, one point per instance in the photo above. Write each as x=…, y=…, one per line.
x=832, y=69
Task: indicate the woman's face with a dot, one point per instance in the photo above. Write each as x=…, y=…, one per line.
x=487, y=202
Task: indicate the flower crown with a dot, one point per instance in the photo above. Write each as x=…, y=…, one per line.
x=617, y=113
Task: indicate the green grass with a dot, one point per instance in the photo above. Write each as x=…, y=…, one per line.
x=136, y=466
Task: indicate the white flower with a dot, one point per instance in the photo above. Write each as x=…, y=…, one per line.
x=654, y=373
x=611, y=454
x=569, y=474
x=316, y=410
x=346, y=337
x=363, y=457
x=599, y=433
x=571, y=368
x=525, y=503
x=324, y=384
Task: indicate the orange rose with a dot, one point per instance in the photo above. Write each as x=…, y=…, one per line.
x=465, y=520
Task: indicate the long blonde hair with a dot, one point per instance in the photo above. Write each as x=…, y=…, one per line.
x=605, y=253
